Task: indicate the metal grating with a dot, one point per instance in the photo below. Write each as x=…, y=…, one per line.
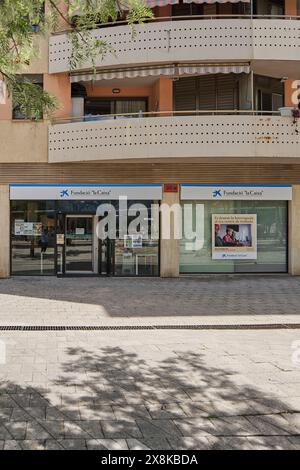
x=273, y=326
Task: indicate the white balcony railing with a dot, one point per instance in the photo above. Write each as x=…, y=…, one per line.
x=165, y=41
x=169, y=135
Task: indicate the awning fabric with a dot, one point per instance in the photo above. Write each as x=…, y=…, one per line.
x=161, y=3
x=203, y=69
x=171, y=70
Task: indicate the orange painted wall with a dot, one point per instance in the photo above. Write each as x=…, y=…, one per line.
x=6, y=110
x=163, y=94
x=160, y=95
x=291, y=7
x=288, y=90
x=133, y=92
x=59, y=85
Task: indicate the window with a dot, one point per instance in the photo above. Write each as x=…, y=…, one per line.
x=271, y=238
x=269, y=93
x=126, y=106
x=17, y=113
x=209, y=92
x=268, y=7
x=33, y=237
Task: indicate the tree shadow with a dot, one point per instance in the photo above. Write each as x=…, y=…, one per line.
x=111, y=398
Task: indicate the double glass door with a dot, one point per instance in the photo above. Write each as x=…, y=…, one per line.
x=80, y=251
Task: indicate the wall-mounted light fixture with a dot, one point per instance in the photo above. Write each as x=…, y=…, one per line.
x=116, y=90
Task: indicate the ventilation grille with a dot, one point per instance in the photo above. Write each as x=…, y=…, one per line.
x=273, y=326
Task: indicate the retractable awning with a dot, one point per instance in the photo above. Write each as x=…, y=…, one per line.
x=171, y=70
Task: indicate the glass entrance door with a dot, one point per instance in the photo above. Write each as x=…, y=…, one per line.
x=79, y=244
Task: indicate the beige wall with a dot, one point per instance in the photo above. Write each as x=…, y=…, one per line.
x=169, y=249
x=40, y=63
x=4, y=231
x=23, y=141
x=294, y=232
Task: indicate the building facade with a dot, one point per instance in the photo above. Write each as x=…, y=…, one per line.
x=194, y=112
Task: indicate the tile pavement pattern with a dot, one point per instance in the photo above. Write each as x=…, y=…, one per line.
x=116, y=301
x=147, y=389
x=167, y=389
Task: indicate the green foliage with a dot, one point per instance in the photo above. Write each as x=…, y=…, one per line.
x=18, y=45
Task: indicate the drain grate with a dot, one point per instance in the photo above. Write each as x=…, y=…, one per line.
x=272, y=326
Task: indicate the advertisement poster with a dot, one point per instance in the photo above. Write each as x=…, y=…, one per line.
x=19, y=227
x=133, y=241
x=27, y=228
x=37, y=229
x=234, y=236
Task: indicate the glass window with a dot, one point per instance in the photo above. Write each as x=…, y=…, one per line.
x=33, y=237
x=100, y=106
x=271, y=238
x=16, y=112
x=137, y=255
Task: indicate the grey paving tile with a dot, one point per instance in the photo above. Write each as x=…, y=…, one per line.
x=12, y=445
x=189, y=443
x=73, y=444
x=37, y=431
x=120, y=429
x=14, y=430
x=107, y=444
x=158, y=427
x=28, y=414
x=32, y=444
x=271, y=425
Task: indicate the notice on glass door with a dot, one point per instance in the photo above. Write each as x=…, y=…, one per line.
x=234, y=236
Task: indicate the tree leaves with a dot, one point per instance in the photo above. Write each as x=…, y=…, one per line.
x=18, y=46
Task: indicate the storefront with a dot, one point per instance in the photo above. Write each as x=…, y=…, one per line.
x=241, y=229
x=225, y=229
x=55, y=230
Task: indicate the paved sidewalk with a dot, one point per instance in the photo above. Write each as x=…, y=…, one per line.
x=150, y=390
x=216, y=300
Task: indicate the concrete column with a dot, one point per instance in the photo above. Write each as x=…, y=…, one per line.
x=294, y=232
x=4, y=231
x=169, y=248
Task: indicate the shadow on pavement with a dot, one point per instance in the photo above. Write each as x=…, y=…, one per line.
x=151, y=297
x=111, y=399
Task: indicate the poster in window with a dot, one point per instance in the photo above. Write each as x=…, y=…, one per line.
x=234, y=237
x=28, y=228
x=37, y=229
x=133, y=241
x=19, y=227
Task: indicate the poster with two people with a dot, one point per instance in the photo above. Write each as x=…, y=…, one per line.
x=234, y=236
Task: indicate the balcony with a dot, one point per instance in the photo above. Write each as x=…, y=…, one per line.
x=175, y=135
x=172, y=40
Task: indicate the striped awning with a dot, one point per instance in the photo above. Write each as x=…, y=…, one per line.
x=171, y=70
x=206, y=69
x=161, y=3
